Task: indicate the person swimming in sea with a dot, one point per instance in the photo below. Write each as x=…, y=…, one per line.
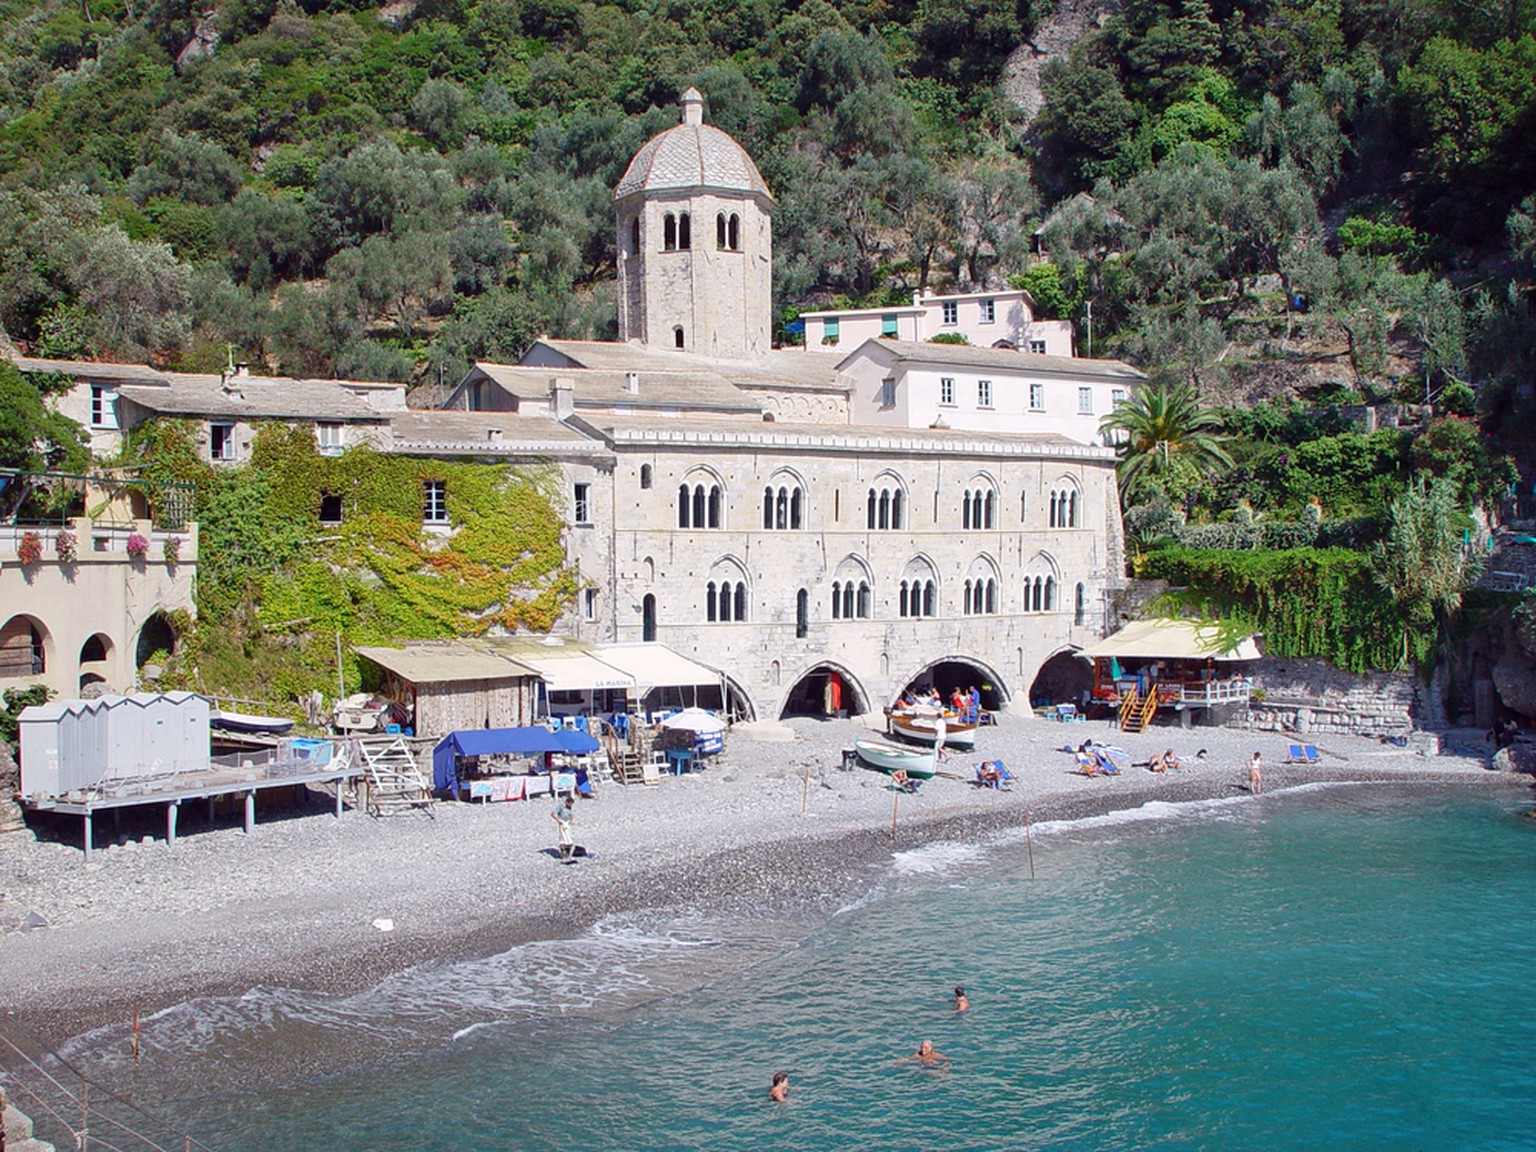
x=927, y=1056
x=780, y=1089
x=962, y=1002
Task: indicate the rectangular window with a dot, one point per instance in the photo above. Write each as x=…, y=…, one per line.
x=221, y=441
x=434, y=501
x=330, y=439
x=951, y=313
x=888, y=393
x=103, y=406
x=983, y=393
x=1117, y=398
x=946, y=390
x=583, y=503
x=589, y=604
x=988, y=311
x=1085, y=401
x=831, y=329
x=888, y=326
x=1037, y=397
x=1037, y=347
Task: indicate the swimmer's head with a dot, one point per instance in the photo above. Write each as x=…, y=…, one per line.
x=780, y=1078
x=959, y=991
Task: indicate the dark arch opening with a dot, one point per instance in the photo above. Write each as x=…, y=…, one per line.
x=23, y=648
x=1066, y=678
x=948, y=675
x=648, y=618
x=825, y=692
x=157, y=636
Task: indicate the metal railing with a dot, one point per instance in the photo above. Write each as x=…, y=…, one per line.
x=70, y=1111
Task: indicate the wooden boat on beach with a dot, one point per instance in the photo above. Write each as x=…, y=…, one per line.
x=888, y=757
x=924, y=727
x=250, y=724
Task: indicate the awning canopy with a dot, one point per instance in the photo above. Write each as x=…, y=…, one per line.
x=444, y=662
x=501, y=741
x=576, y=671
x=653, y=665
x=1174, y=640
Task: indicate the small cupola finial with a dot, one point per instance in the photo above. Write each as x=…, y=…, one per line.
x=693, y=106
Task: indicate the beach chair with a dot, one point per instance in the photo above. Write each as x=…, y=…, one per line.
x=992, y=774
x=1088, y=765
x=1302, y=754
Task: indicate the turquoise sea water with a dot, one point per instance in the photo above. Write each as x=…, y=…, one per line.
x=1341, y=968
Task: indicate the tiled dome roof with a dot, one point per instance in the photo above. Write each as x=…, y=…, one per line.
x=691, y=155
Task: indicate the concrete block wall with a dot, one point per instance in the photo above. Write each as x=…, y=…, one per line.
x=1311, y=697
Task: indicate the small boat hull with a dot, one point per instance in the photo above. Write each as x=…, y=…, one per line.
x=247, y=723
x=924, y=728
x=896, y=758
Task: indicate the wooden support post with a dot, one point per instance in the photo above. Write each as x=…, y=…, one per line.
x=170, y=823
x=87, y=835
x=250, y=811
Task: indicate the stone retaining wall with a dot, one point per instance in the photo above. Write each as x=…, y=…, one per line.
x=1311, y=697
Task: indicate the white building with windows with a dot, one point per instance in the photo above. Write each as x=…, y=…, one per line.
x=910, y=385
x=1002, y=319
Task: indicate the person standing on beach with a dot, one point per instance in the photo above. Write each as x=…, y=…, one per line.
x=780, y=1090
x=1255, y=773
x=563, y=815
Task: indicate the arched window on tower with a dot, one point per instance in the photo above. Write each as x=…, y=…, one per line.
x=634, y=236
x=720, y=231
x=802, y=614
x=677, y=337
x=1080, y=605
x=684, y=232
x=669, y=233
x=734, y=233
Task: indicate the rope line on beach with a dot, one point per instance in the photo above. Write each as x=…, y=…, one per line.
x=89, y=1112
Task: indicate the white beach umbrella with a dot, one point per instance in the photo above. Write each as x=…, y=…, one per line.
x=695, y=720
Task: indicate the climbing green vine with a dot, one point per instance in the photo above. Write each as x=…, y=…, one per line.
x=276, y=584
x=1323, y=602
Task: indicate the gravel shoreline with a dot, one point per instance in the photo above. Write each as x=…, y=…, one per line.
x=295, y=903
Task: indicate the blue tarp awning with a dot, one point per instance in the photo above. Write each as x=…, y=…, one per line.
x=500, y=741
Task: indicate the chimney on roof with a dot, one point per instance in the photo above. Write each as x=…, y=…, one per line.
x=493, y=435
x=632, y=383
x=693, y=106
x=563, y=395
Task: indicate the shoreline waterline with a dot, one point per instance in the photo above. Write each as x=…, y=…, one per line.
x=830, y=876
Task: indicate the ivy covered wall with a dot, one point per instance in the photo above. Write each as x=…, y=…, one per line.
x=276, y=585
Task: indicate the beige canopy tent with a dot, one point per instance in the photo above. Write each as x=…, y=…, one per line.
x=1174, y=640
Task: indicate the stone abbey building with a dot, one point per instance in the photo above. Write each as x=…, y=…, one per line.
x=907, y=512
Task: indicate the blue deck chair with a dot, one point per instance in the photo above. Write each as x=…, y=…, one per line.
x=584, y=784
x=1302, y=754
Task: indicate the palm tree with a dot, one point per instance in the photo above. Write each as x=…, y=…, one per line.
x=1162, y=430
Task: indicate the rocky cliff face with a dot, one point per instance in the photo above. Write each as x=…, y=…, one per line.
x=1052, y=40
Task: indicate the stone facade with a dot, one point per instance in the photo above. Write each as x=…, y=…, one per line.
x=668, y=581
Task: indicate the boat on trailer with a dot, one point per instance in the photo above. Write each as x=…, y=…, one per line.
x=924, y=727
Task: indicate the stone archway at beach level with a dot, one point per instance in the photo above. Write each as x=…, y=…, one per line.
x=1066, y=678
x=825, y=690
x=964, y=673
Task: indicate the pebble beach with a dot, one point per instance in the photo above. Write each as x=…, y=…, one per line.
x=312, y=902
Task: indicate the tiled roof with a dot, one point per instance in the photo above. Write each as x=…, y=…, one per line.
x=472, y=432
x=607, y=387
x=970, y=356
x=251, y=398
x=691, y=156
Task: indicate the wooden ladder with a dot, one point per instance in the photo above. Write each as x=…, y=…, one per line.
x=395, y=784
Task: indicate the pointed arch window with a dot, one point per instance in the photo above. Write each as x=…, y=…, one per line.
x=634, y=236
x=885, y=506
x=669, y=233
x=684, y=232
x=677, y=337
x=720, y=231
x=733, y=237
x=802, y=614
x=699, y=505
x=1080, y=605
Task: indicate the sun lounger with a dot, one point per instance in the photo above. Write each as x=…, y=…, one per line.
x=1302, y=754
x=992, y=774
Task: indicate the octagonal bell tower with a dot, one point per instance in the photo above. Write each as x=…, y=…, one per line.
x=695, y=243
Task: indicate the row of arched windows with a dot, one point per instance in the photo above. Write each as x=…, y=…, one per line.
x=1063, y=509
x=783, y=507
x=677, y=233
x=885, y=509
x=698, y=506
x=851, y=601
x=726, y=601
x=979, y=509
x=728, y=232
